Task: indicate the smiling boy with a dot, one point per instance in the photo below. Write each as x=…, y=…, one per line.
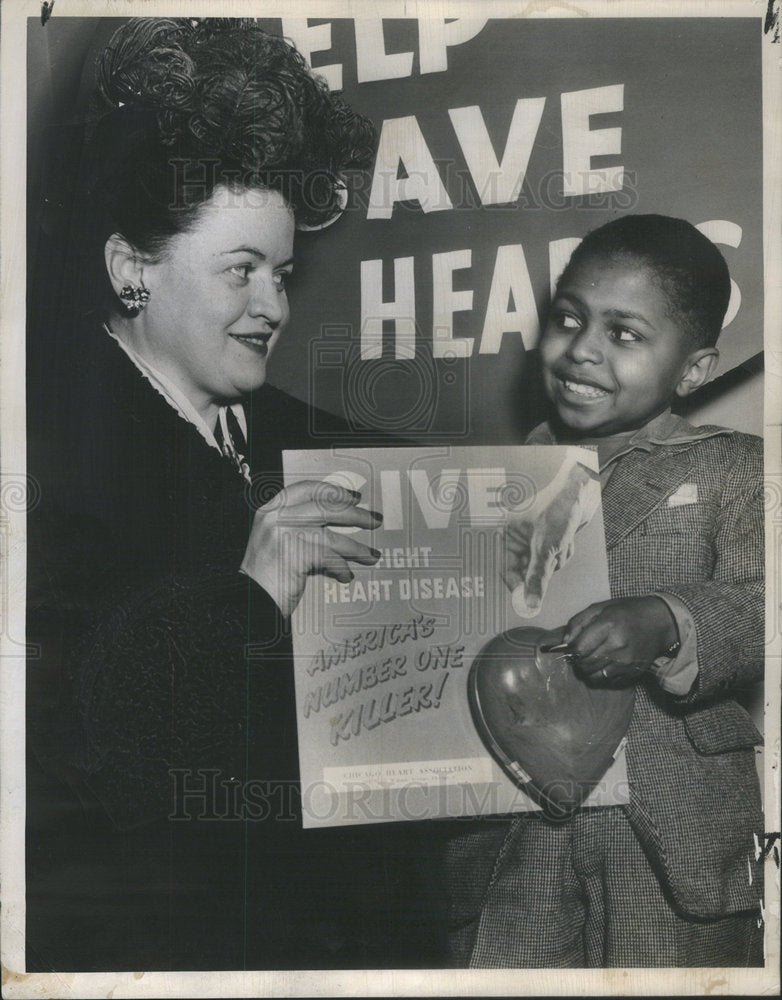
x=671, y=878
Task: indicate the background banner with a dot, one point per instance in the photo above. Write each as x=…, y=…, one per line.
x=501, y=142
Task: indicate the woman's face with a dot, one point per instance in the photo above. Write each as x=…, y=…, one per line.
x=218, y=302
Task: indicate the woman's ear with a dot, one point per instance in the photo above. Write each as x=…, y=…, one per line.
x=698, y=370
x=124, y=264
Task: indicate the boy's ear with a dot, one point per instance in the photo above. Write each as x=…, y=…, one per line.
x=124, y=264
x=698, y=370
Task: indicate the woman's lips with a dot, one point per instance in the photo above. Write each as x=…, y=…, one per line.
x=258, y=342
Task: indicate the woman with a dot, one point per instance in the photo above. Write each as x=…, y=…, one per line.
x=165, y=558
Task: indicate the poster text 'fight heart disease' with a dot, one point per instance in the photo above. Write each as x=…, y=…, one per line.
x=475, y=543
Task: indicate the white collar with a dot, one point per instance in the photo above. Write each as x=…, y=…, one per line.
x=176, y=398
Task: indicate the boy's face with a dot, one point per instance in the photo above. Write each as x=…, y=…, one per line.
x=612, y=355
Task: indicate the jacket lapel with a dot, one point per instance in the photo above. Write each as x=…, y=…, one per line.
x=640, y=483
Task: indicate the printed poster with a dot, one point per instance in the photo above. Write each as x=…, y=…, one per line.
x=382, y=663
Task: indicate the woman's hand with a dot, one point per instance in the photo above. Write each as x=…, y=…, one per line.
x=614, y=643
x=290, y=539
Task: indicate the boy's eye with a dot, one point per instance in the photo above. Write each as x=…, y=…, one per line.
x=566, y=321
x=625, y=335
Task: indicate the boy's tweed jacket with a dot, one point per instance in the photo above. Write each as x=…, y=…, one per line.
x=694, y=793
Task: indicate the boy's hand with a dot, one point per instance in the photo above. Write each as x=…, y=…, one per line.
x=614, y=642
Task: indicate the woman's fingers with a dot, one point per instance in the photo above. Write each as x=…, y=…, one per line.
x=335, y=566
x=310, y=503
x=316, y=549
x=350, y=549
x=291, y=539
x=312, y=513
x=328, y=497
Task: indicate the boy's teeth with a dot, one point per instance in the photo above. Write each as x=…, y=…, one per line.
x=590, y=391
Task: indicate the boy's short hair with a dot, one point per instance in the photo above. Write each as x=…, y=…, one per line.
x=690, y=268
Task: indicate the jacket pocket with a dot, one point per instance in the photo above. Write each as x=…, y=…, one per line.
x=720, y=728
x=688, y=519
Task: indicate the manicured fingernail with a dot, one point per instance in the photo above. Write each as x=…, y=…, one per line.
x=377, y=515
x=355, y=494
x=376, y=553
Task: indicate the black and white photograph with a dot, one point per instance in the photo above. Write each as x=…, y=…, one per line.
x=391, y=498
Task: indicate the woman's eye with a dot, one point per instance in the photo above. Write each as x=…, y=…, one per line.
x=281, y=279
x=242, y=270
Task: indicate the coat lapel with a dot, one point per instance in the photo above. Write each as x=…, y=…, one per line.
x=640, y=483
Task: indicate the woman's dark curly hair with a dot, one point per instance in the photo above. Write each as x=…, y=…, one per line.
x=184, y=105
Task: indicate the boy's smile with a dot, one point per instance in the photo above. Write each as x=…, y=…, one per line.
x=613, y=353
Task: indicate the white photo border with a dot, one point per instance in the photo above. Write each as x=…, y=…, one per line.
x=539, y=982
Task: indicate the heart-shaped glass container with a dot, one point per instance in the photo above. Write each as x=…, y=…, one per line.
x=554, y=734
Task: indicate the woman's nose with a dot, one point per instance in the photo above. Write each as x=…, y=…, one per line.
x=585, y=346
x=267, y=300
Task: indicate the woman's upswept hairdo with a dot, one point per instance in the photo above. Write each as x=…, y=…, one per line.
x=184, y=105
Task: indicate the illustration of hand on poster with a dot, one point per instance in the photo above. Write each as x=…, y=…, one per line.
x=541, y=539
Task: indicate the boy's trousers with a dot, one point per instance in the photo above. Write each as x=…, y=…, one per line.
x=582, y=894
